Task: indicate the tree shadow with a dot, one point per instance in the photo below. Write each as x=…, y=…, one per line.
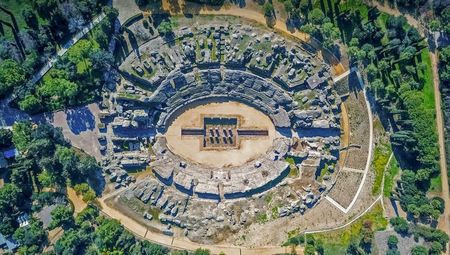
x=80, y=120
x=174, y=6
x=240, y=3
x=134, y=44
x=271, y=20
x=97, y=182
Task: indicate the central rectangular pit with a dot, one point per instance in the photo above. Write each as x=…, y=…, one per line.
x=220, y=132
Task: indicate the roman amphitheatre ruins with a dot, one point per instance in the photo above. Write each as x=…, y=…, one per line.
x=247, y=135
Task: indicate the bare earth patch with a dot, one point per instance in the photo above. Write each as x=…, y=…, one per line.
x=249, y=149
x=79, y=126
x=346, y=186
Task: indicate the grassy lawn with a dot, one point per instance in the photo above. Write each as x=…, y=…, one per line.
x=356, y=5
x=294, y=171
x=16, y=7
x=336, y=242
x=427, y=76
x=381, y=158
x=435, y=184
x=392, y=171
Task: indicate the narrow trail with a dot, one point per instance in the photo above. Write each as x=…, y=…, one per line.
x=444, y=223
x=77, y=202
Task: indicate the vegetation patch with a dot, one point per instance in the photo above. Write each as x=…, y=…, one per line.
x=379, y=163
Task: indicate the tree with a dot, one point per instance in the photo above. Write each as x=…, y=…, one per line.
x=372, y=72
x=47, y=179
x=5, y=138
x=438, y=204
x=89, y=214
x=22, y=135
x=392, y=242
x=59, y=92
x=70, y=243
x=87, y=192
x=45, y=7
x=67, y=158
x=101, y=59
x=309, y=249
x=268, y=9
x=319, y=247
x=62, y=216
x=21, y=175
x=80, y=51
x=330, y=34
x=111, y=12
x=32, y=238
x=107, y=234
x=436, y=248
x=166, y=27
x=445, y=20
x=434, y=25
x=288, y=6
x=419, y=250
x=30, y=18
x=408, y=53
x=30, y=104
x=201, y=251
x=367, y=233
x=316, y=16
x=392, y=252
x=10, y=195
x=400, y=225
x=11, y=76
x=141, y=3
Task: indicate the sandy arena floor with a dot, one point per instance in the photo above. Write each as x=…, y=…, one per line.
x=190, y=147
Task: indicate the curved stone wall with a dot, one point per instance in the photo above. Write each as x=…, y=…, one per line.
x=252, y=178
x=180, y=91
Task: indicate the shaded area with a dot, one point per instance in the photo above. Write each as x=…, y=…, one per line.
x=80, y=120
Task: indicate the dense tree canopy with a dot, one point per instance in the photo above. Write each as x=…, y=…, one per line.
x=31, y=238
x=5, y=138
x=61, y=217
x=11, y=76
x=10, y=198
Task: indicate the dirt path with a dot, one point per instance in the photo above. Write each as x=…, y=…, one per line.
x=183, y=243
x=395, y=12
x=444, y=222
x=77, y=202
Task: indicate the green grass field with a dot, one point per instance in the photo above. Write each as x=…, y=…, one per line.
x=389, y=180
x=16, y=7
x=436, y=184
x=427, y=76
x=381, y=158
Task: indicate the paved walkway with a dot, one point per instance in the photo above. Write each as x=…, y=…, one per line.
x=66, y=47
